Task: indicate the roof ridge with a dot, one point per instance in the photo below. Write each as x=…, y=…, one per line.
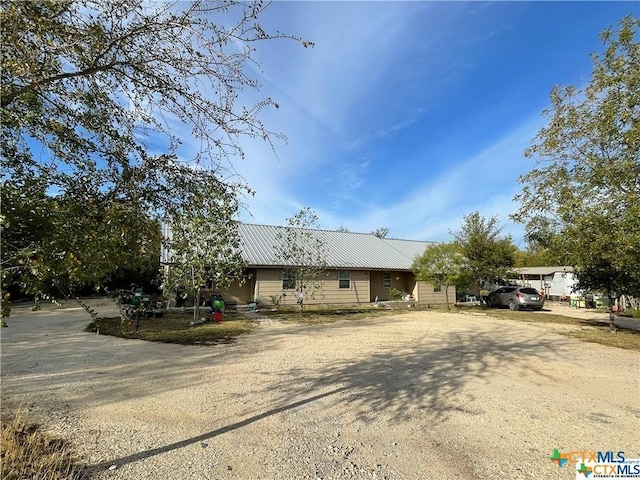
x=336, y=231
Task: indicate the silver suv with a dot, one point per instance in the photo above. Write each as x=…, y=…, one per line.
x=516, y=298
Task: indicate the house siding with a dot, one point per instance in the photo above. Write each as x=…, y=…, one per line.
x=269, y=284
x=239, y=294
x=265, y=283
x=426, y=296
x=403, y=281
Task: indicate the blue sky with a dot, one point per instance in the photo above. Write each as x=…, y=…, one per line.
x=411, y=115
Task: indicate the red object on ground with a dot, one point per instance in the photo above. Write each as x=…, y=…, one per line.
x=217, y=316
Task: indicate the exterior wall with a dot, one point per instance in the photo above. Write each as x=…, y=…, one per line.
x=239, y=294
x=263, y=283
x=421, y=292
x=269, y=284
x=426, y=295
x=330, y=292
x=404, y=281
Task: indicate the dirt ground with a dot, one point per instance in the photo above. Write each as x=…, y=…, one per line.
x=420, y=395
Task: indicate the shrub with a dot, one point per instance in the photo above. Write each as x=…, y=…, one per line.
x=395, y=294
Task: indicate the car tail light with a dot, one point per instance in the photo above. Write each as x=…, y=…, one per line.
x=520, y=295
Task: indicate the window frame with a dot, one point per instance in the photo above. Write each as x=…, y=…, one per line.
x=341, y=279
x=289, y=275
x=384, y=280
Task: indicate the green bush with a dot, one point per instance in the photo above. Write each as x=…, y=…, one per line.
x=395, y=294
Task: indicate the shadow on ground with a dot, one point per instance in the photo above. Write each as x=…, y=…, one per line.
x=432, y=374
x=431, y=377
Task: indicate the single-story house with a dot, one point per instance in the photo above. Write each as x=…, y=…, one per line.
x=360, y=268
x=555, y=282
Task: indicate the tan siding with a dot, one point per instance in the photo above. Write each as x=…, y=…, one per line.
x=377, y=290
x=269, y=283
x=403, y=281
x=358, y=291
x=364, y=287
x=426, y=295
x=239, y=294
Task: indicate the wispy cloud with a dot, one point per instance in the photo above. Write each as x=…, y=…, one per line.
x=407, y=115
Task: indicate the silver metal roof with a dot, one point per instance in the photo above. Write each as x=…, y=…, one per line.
x=344, y=249
x=543, y=270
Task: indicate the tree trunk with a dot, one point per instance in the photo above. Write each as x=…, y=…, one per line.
x=612, y=316
x=196, y=305
x=446, y=296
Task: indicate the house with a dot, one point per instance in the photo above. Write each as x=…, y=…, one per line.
x=360, y=268
x=555, y=282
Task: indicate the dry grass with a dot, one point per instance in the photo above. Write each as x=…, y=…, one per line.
x=628, y=339
x=176, y=328
x=329, y=314
x=28, y=452
x=592, y=331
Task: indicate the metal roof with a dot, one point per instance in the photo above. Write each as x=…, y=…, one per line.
x=260, y=244
x=543, y=270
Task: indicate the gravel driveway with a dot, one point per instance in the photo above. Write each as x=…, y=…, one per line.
x=420, y=395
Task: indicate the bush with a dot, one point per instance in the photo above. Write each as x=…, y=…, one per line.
x=395, y=294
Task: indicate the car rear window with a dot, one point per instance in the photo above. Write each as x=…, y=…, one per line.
x=529, y=291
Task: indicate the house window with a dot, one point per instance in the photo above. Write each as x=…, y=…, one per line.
x=386, y=280
x=289, y=278
x=437, y=287
x=344, y=279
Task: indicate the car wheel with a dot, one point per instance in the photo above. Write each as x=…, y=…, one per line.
x=488, y=302
x=513, y=305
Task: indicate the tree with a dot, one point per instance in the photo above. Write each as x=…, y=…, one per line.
x=96, y=95
x=204, y=246
x=342, y=229
x=55, y=246
x=536, y=255
x=381, y=232
x=489, y=256
x=583, y=196
x=303, y=249
x=441, y=264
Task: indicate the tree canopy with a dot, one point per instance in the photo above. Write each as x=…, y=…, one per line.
x=489, y=255
x=442, y=264
x=582, y=199
x=303, y=249
x=96, y=98
x=203, y=246
x=56, y=245
x=381, y=232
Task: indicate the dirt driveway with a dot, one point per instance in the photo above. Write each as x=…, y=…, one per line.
x=418, y=396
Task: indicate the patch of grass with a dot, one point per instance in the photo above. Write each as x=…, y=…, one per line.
x=596, y=332
x=628, y=339
x=535, y=317
x=27, y=451
x=630, y=313
x=316, y=315
x=176, y=328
